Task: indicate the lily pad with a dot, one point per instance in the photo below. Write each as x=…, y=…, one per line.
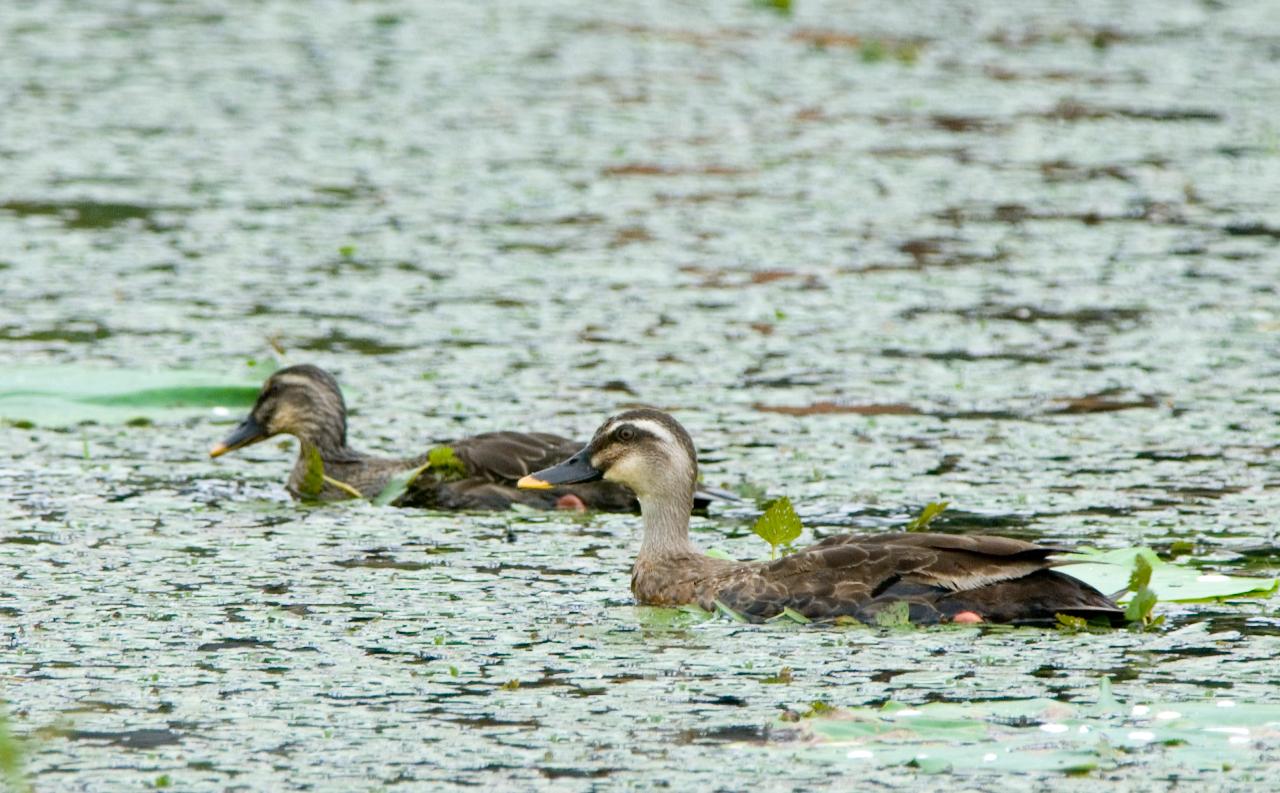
x=59, y=396
x=1043, y=734
x=1110, y=571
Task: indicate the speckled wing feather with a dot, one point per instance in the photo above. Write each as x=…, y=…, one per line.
x=494, y=461
x=504, y=457
x=937, y=575
x=507, y=456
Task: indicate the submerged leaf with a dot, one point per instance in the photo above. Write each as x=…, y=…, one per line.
x=779, y=525
x=1070, y=624
x=1039, y=735
x=1106, y=699
x=663, y=618
x=783, y=678
x=931, y=510
x=894, y=615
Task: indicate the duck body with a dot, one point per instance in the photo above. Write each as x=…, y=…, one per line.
x=493, y=462
x=941, y=577
x=305, y=401
x=938, y=576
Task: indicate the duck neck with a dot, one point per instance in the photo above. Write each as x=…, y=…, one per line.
x=326, y=432
x=666, y=527
x=331, y=449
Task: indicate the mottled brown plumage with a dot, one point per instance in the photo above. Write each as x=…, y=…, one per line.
x=306, y=402
x=938, y=576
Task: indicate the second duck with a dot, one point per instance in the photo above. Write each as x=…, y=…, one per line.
x=306, y=402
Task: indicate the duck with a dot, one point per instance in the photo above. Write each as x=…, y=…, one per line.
x=305, y=401
x=942, y=578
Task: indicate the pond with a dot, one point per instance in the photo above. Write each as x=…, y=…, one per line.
x=1018, y=257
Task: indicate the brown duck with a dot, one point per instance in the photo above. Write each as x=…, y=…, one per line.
x=306, y=402
x=941, y=577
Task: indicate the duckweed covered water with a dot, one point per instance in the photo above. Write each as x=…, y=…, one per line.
x=1020, y=258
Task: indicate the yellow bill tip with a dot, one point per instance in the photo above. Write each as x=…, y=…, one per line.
x=533, y=483
x=219, y=450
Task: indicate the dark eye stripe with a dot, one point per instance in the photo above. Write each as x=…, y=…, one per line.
x=637, y=434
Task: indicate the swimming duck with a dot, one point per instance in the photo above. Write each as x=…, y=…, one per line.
x=305, y=401
x=941, y=577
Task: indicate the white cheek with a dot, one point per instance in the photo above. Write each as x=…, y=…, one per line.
x=626, y=471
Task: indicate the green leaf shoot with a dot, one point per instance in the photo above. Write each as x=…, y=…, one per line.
x=729, y=612
x=1139, y=608
x=779, y=525
x=343, y=486
x=1138, y=611
x=313, y=479
x=441, y=460
x=1140, y=578
x=789, y=613
x=444, y=462
x=397, y=485
x=927, y=515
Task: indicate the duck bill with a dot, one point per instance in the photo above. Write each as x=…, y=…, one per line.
x=246, y=432
x=573, y=471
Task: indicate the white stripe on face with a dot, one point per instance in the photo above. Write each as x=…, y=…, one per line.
x=658, y=430
x=294, y=379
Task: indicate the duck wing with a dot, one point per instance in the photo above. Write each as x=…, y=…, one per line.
x=939, y=575
x=507, y=456
x=494, y=461
x=502, y=458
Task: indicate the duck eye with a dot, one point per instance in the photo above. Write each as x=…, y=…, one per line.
x=626, y=434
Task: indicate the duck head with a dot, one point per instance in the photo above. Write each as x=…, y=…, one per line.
x=303, y=401
x=646, y=450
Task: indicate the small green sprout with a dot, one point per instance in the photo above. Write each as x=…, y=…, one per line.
x=313, y=479
x=1138, y=612
x=779, y=525
x=443, y=461
x=729, y=612
x=927, y=515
